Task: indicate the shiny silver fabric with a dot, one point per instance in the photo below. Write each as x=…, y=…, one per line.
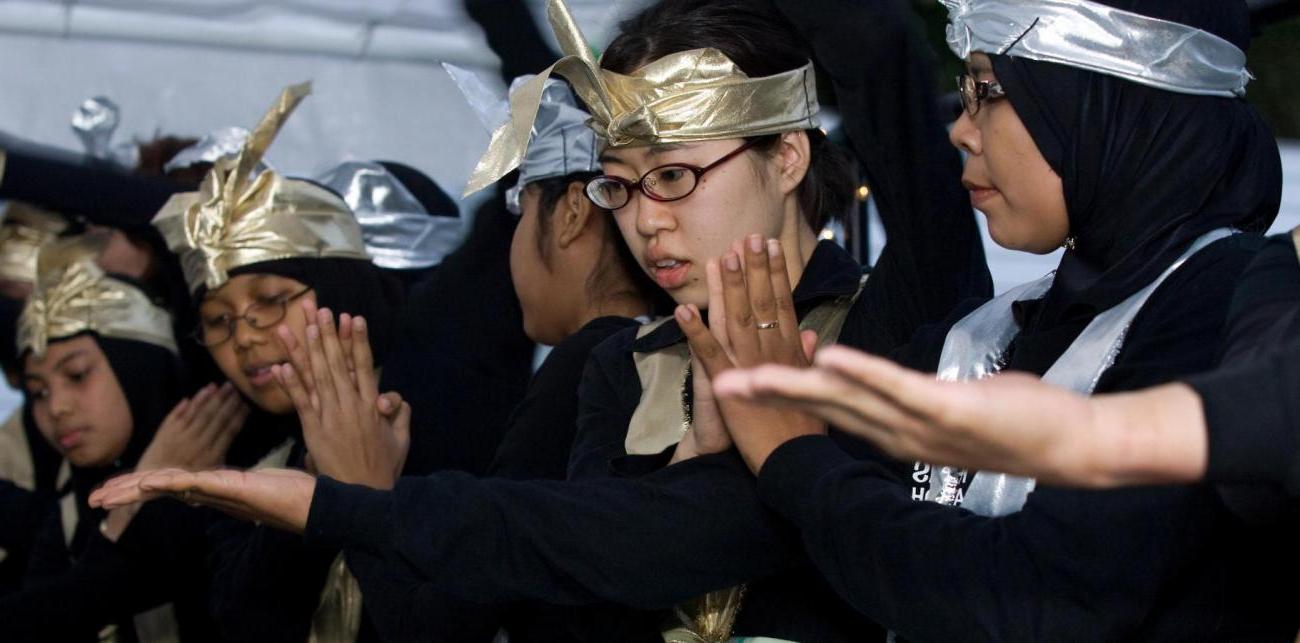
x=216, y=144
x=398, y=232
x=94, y=123
x=1162, y=54
x=975, y=347
x=561, y=142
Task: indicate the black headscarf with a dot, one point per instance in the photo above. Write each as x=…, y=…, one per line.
x=1145, y=171
x=151, y=381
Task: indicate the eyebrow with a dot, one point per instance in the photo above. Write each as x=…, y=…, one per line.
x=29, y=377
x=653, y=152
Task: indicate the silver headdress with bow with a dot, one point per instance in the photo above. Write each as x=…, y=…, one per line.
x=561, y=143
x=94, y=123
x=1089, y=35
x=400, y=234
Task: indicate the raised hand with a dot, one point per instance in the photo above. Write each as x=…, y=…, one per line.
x=197, y=433
x=759, y=326
x=277, y=497
x=352, y=433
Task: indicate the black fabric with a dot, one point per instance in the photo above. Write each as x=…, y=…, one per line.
x=1155, y=563
x=10, y=310
x=1145, y=171
x=80, y=186
x=536, y=446
x=1251, y=410
x=464, y=360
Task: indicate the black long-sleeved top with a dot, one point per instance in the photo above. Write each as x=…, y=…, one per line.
x=653, y=540
x=1252, y=409
x=71, y=593
x=1156, y=563
x=403, y=607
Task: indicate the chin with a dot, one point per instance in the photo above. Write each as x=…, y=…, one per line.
x=273, y=402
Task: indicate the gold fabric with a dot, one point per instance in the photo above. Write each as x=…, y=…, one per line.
x=24, y=229
x=237, y=219
x=73, y=295
x=1295, y=238
x=697, y=95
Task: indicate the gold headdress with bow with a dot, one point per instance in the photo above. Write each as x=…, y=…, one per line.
x=237, y=219
x=696, y=95
x=23, y=231
x=73, y=295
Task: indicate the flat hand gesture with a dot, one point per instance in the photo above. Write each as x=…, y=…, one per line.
x=277, y=497
x=352, y=433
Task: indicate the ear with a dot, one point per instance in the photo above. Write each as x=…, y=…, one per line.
x=794, y=156
x=573, y=215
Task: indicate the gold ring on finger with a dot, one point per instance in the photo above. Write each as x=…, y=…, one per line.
x=767, y=325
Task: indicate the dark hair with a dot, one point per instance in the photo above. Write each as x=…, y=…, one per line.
x=759, y=39
x=155, y=153
x=604, y=277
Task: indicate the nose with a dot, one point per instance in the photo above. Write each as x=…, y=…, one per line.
x=60, y=403
x=244, y=335
x=964, y=135
x=652, y=217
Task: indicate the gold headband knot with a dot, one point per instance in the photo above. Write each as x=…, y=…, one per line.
x=236, y=219
x=689, y=96
x=73, y=295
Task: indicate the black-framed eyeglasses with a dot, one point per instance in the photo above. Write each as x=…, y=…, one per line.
x=975, y=92
x=664, y=183
x=260, y=315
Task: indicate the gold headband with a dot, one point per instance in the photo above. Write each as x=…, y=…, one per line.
x=73, y=295
x=697, y=95
x=23, y=231
x=236, y=219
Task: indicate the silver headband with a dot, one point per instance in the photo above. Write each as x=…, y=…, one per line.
x=214, y=145
x=399, y=233
x=1088, y=35
x=94, y=123
x=561, y=142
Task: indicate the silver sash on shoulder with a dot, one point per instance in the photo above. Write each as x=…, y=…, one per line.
x=975, y=348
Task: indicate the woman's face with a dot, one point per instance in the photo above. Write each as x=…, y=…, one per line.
x=77, y=402
x=752, y=193
x=1008, y=178
x=247, y=356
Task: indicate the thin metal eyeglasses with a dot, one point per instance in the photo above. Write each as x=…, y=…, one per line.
x=976, y=92
x=259, y=315
x=664, y=183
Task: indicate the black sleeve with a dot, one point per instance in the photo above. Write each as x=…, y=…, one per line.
x=23, y=512
x=607, y=395
x=649, y=542
x=1251, y=410
x=883, y=74
x=402, y=606
x=99, y=193
x=105, y=585
x=266, y=583
x=543, y=426
x=1071, y=565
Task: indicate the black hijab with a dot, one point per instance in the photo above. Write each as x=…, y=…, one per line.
x=151, y=381
x=1145, y=171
